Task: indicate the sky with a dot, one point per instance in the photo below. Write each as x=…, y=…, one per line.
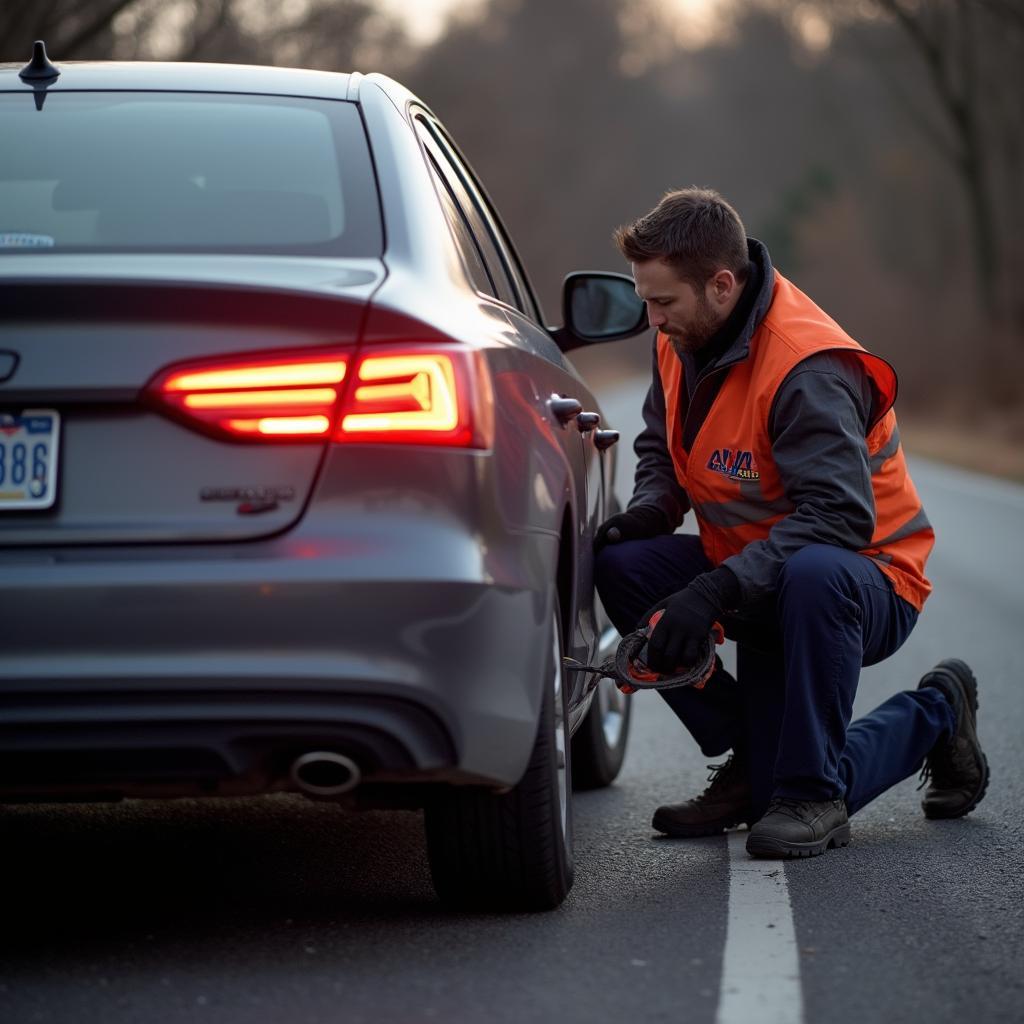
x=424, y=19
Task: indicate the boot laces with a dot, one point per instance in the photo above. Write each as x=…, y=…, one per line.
x=786, y=805
x=945, y=767
x=721, y=775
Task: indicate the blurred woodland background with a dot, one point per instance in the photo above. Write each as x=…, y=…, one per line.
x=876, y=146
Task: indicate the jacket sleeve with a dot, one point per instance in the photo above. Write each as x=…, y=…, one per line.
x=655, y=482
x=818, y=429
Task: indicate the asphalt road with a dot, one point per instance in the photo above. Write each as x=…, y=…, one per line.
x=284, y=910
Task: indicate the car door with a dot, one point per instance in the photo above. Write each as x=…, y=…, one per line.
x=553, y=373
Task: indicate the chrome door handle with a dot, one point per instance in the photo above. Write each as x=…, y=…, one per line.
x=588, y=421
x=565, y=409
x=604, y=439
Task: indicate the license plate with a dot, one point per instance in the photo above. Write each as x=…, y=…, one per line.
x=28, y=458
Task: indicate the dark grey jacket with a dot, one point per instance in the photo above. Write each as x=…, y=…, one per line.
x=818, y=427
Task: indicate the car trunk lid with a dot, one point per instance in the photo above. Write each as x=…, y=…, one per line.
x=86, y=335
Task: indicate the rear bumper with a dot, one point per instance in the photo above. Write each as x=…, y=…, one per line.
x=133, y=672
x=153, y=743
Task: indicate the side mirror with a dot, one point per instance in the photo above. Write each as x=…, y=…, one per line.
x=599, y=306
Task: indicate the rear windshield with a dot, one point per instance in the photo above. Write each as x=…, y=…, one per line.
x=185, y=172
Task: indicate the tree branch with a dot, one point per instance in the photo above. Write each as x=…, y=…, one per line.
x=1007, y=10
x=935, y=63
x=100, y=20
x=921, y=120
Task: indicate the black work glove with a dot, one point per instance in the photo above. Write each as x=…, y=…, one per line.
x=677, y=639
x=637, y=524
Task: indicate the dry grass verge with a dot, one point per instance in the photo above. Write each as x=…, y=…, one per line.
x=988, y=447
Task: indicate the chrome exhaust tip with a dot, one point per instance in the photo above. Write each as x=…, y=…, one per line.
x=323, y=773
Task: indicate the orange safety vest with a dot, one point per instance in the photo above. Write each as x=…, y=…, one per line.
x=729, y=474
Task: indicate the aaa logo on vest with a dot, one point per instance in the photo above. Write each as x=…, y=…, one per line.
x=737, y=464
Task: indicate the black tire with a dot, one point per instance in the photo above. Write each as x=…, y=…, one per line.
x=599, y=744
x=511, y=851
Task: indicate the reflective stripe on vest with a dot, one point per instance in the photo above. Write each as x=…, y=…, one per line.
x=729, y=473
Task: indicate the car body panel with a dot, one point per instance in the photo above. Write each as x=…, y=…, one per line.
x=378, y=591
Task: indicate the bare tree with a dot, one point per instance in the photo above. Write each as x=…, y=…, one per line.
x=328, y=34
x=945, y=36
x=70, y=28
x=971, y=53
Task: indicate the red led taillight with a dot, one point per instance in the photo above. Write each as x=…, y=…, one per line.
x=437, y=395
x=293, y=396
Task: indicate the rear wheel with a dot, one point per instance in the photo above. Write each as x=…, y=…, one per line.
x=599, y=745
x=512, y=850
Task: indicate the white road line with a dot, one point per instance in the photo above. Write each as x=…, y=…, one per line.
x=761, y=965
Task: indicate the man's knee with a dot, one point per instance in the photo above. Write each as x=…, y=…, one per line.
x=615, y=570
x=815, y=571
x=633, y=574
x=610, y=566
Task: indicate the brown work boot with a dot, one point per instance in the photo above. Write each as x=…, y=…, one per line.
x=955, y=768
x=725, y=803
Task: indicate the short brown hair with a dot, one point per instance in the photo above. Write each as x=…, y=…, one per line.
x=694, y=230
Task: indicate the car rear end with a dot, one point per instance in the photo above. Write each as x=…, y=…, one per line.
x=246, y=517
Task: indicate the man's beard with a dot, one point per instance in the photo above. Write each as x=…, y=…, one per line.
x=701, y=329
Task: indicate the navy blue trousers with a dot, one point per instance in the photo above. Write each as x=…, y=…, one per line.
x=798, y=663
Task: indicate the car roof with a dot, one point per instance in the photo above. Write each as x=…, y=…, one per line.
x=191, y=77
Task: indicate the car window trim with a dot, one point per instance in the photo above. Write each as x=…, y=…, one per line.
x=485, y=214
x=504, y=239
x=513, y=266
x=484, y=207
x=505, y=290
x=467, y=185
x=493, y=292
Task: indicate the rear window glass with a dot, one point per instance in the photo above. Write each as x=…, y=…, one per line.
x=174, y=172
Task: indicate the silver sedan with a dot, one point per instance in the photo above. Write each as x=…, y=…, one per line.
x=297, y=492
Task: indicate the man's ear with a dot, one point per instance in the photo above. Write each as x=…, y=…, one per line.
x=723, y=285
